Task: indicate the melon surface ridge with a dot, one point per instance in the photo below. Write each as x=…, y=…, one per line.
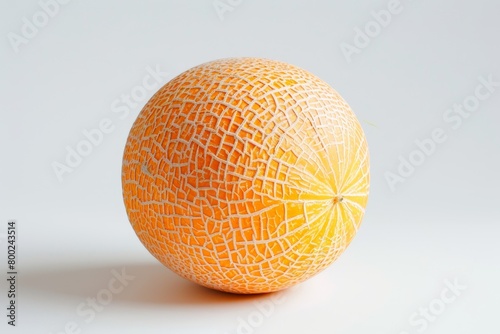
x=246, y=175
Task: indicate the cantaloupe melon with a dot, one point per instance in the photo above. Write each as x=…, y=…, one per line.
x=246, y=175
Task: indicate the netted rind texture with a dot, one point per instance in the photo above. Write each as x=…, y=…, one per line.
x=246, y=175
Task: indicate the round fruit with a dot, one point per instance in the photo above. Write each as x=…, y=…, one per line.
x=246, y=175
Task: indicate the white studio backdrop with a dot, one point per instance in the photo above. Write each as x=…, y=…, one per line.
x=422, y=77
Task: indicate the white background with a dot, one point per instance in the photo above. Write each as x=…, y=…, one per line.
x=440, y=224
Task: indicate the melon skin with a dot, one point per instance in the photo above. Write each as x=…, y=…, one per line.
x=246, y=175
